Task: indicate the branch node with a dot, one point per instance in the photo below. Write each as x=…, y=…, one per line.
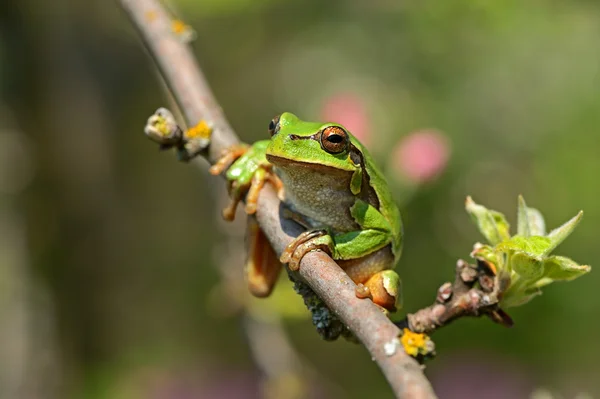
x=444, y=292
x=162, y=128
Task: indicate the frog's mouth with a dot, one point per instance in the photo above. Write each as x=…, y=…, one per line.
x=285, y=163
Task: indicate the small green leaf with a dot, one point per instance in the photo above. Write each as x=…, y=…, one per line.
x=484, y=252
x=526, y=266
x=520, y=298
x=522, y=219
x=491, y=224
x=501, y=224
x=534, y=246
x=559, y=234
x=530, y=220
x=560, y=268
x=537, y=225
x=544, y=281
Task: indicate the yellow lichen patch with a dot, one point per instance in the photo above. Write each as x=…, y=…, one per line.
x=200, y=131
x=178, y=26
x=183, y=30
x=151, y=15
x=416, y=344
x=161, y=126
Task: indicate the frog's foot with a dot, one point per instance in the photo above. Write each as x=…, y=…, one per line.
x=263, y=174
x=384, y=288
x=308, y=241
x=244, y=185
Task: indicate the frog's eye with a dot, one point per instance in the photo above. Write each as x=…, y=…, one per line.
x=334, y=139
x=274, y=125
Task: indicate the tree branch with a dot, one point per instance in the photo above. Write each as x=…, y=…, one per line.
x=323, y=275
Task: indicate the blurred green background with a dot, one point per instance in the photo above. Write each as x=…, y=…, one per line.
x=117, y=279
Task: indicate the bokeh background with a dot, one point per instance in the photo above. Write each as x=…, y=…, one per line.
x=117, y=278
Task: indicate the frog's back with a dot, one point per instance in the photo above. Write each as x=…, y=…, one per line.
x=387, y=205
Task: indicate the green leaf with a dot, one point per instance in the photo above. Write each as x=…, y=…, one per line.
x=491, y=224
x=520, y=298
x=537, y=226
x=544, y=281
x=560, y=268
x=501, y=224
x=559, y=234
x=530, y=220
x=534, y=246
x=484, y=252
x=527, y=267
x=522, y=219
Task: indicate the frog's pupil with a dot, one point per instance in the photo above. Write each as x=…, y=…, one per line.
x=271, y=125
x=335, y=138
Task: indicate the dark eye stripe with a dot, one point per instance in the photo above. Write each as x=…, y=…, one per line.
x=311, y=137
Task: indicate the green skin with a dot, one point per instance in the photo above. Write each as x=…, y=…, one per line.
x=343, y=193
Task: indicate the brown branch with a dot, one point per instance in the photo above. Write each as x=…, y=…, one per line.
x=332, y=284
x=476, y=291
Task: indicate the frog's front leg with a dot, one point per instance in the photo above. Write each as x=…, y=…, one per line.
x=382, y=286
x=247, y=171
x=364, y=254
x=306, y=242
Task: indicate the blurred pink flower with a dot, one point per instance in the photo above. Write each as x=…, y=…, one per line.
x=480, y=375
x=194, y=384
x=422, y=155
x=349, y=110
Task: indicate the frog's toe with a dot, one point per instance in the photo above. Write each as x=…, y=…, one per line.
x=228, y=156
x=228, y=212
x=235, y=196
x=256, y=184
x=305, y=248
x=362, y=291
x=308, y=241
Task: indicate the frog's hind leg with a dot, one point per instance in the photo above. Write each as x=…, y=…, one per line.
x=384, y=289
x=262, y=265
x=374, y=278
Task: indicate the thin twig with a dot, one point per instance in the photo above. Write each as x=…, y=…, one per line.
x=180, y=71
x=476, y=291
x=332, y=284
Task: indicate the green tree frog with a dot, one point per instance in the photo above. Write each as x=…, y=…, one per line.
x=330, y=184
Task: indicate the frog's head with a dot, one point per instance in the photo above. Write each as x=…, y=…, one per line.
x=309, y=143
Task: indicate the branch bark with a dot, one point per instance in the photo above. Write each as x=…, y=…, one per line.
x=190, y=88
